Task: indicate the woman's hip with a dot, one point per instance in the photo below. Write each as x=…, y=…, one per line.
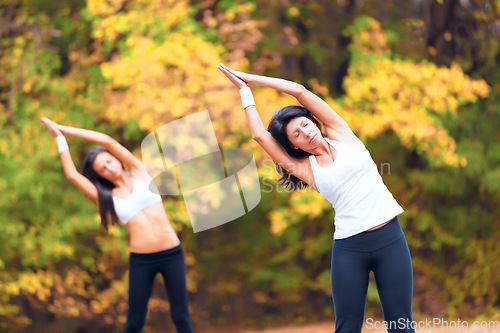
x=372, y=240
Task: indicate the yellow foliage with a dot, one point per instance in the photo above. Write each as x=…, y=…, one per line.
x=137, y=16
x=304, y=205
x=383, y=94
x=171, y=80
x=278, y=224
x=167, y=71
x=100, y=8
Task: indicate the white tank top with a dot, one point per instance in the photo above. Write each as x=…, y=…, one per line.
x=140, y=198
x=354, y=187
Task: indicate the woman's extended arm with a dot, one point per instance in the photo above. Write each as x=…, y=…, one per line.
x=299, y=168
x=254, y=122
x=330, y=119
x=114, y=147
x=81, y=182
x=88, y=135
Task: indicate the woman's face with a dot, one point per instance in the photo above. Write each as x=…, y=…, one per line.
x=107, y=166
x=303, y=133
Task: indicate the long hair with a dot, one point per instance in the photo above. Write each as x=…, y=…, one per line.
x=104, y=187
x=277, y=128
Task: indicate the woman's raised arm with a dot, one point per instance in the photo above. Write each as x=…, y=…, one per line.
x=299, y=168
x=330, y=119
x=80, y=181
x=113, y=146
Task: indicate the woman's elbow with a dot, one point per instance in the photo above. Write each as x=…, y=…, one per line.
x=259, y=137
x=256, y=138
x=107, y=140
x=301, y=90
x=71, y=177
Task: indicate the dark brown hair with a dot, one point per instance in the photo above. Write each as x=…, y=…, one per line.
x=277, y=128
x=104, y=187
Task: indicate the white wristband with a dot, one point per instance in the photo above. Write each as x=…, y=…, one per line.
x=62, y=145
x=246, y=97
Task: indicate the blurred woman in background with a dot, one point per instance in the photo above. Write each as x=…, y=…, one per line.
x=118, y=181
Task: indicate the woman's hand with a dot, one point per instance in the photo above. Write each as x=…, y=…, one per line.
x=288, y=87
x=237, y=81
x=51, y=126
x=248, y=78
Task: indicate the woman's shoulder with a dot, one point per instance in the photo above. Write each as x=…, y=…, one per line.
x=140, y=175
x=344, y=137
x=347, y=142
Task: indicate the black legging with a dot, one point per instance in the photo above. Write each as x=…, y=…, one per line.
x=385, y=252
x=143, y=269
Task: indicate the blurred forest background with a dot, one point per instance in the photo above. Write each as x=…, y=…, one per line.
x=417, y=80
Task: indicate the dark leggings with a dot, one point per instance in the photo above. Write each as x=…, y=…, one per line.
x=385, y=252
x=143, y=269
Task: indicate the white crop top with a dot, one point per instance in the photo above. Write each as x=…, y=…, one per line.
x=140, y=198
x=354, y=187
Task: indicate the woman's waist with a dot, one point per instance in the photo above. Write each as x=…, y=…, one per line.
x=371, y=240
x=155, y=254
x=148, y=244
x=148, y=234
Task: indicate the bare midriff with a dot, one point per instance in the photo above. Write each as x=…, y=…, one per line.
x=379, y=226
x=150, y=231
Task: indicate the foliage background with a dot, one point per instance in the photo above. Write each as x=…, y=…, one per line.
x=416, y=80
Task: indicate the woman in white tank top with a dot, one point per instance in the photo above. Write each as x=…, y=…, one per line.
x=124, y=195
x=336, y=163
